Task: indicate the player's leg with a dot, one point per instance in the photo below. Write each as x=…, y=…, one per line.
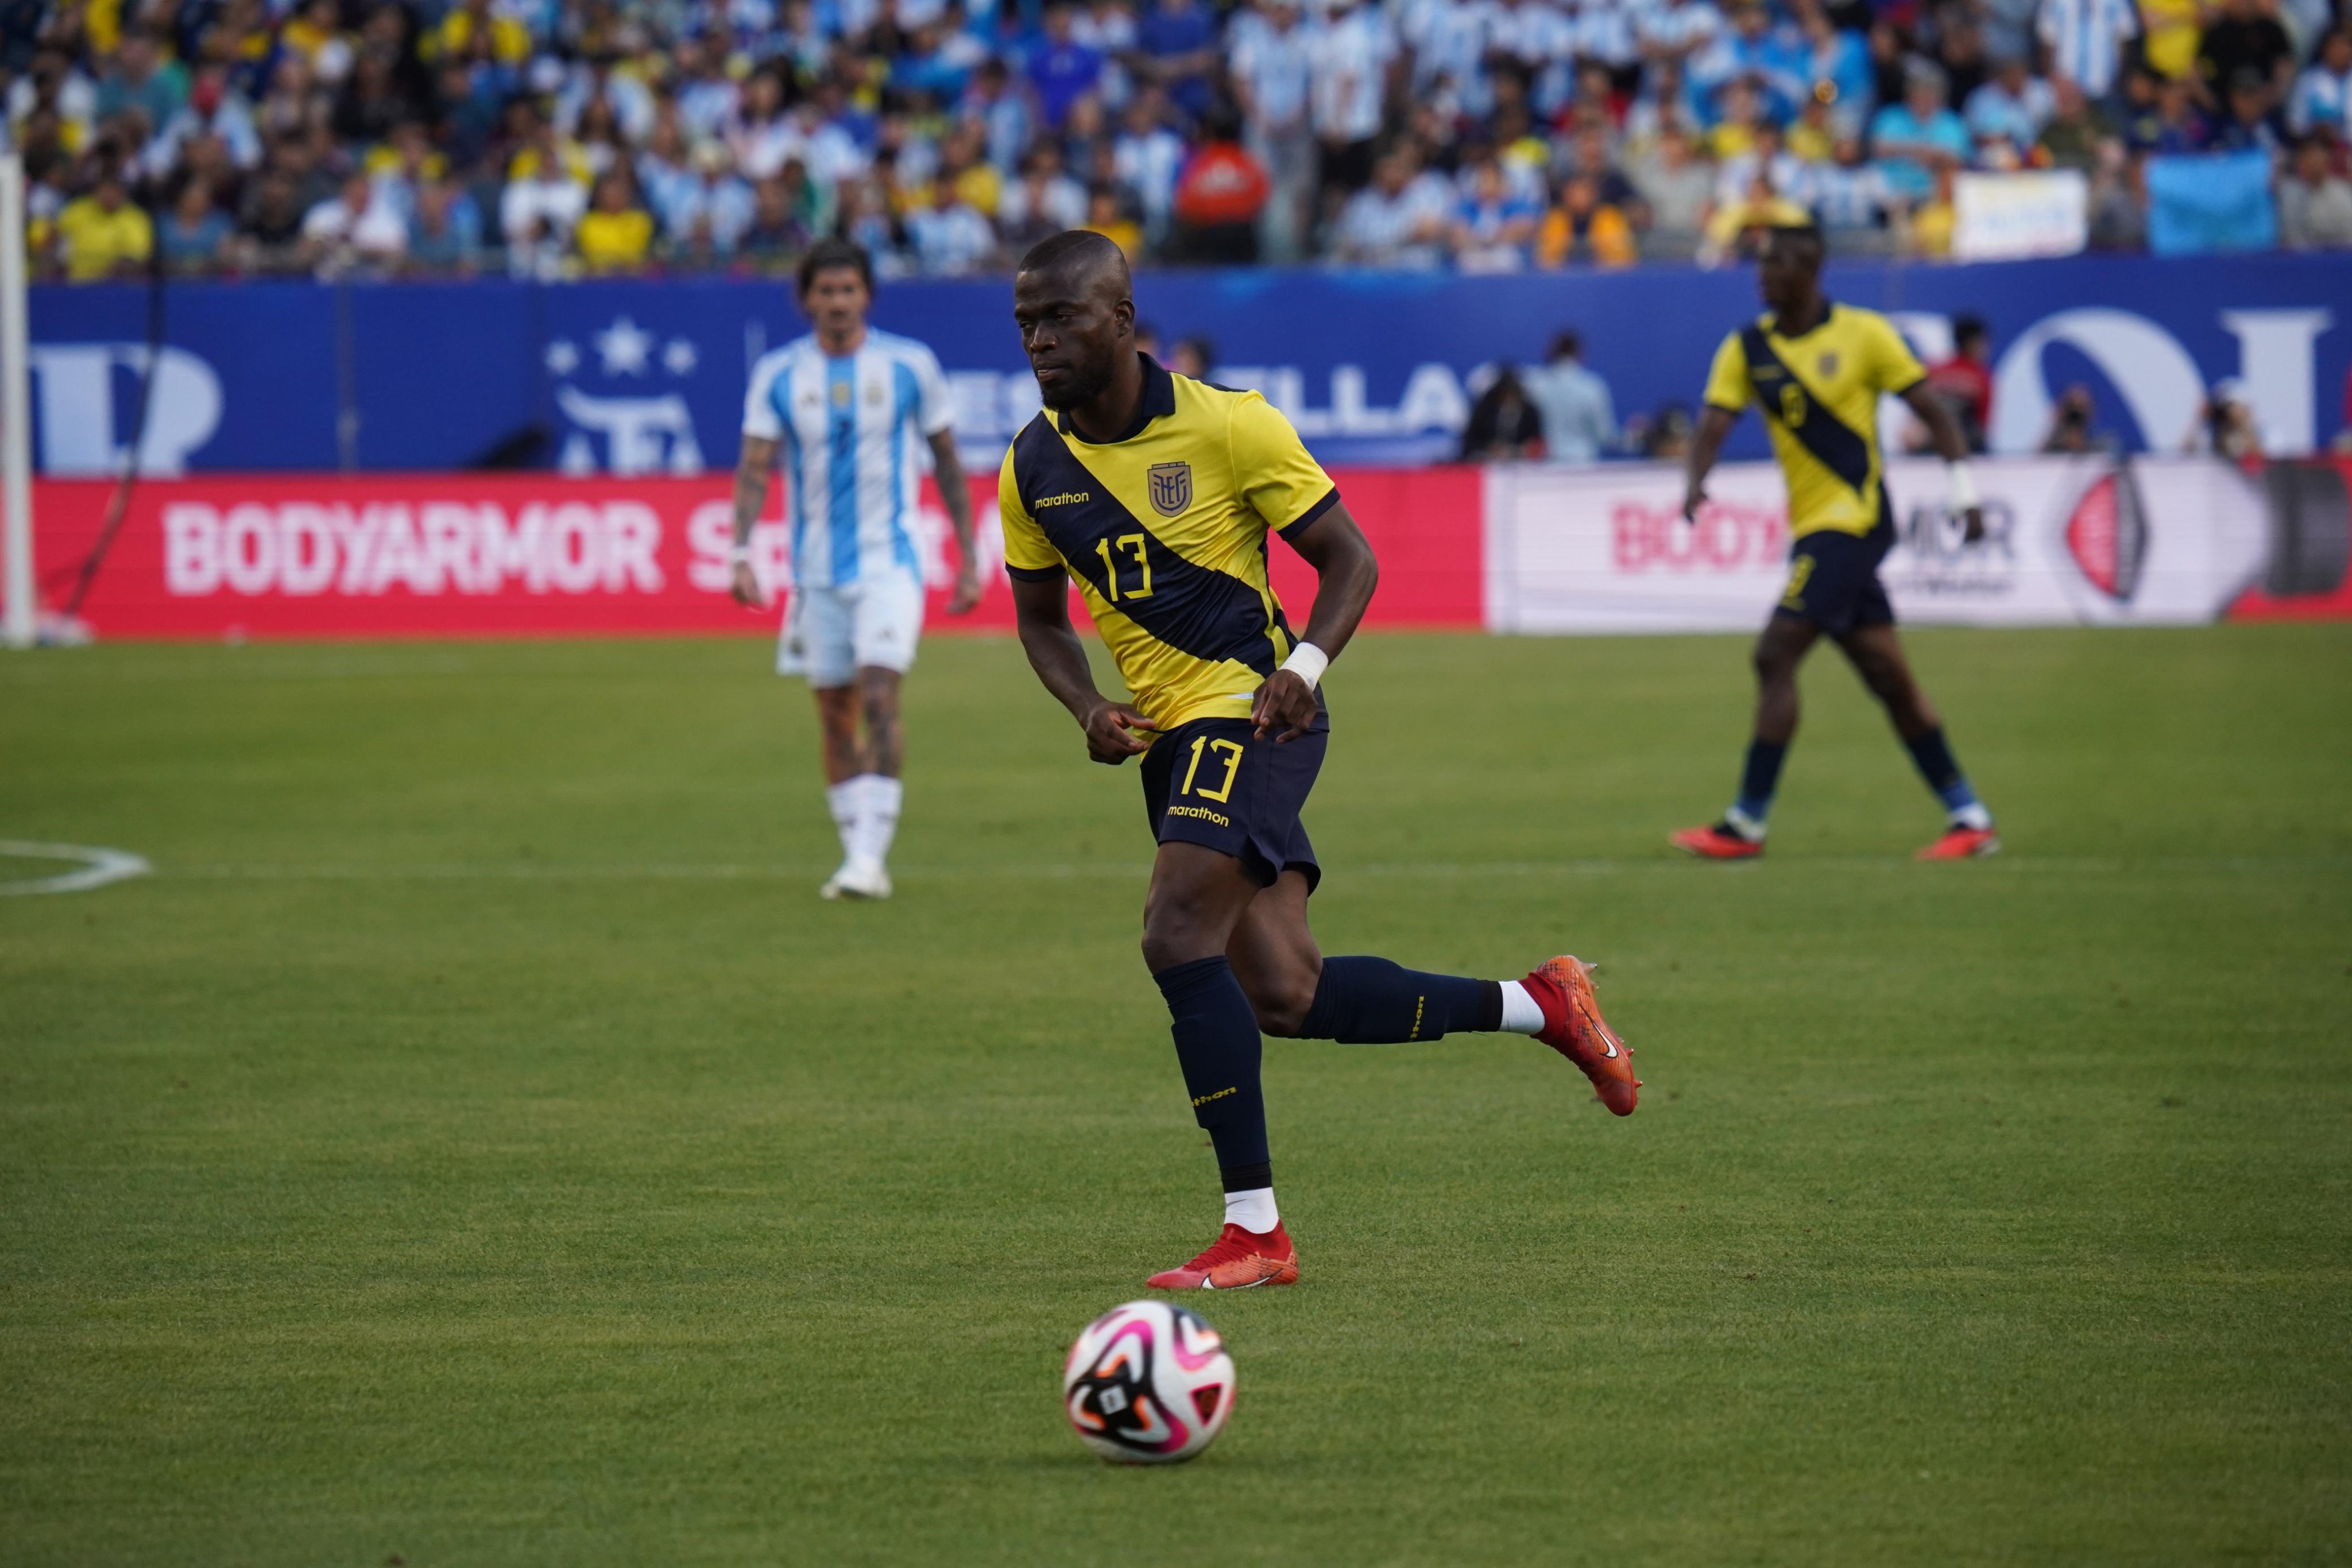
x=1198, y=896
x=1780, y=652
x=1876, y=652
x=885, y=624
x=878, y=790
x=1358, y=1000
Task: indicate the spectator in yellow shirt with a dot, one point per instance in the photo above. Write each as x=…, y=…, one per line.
x=1104, y=218
x=1580, y=226
x=453, y=39
x=103, y=236
x=617, y=233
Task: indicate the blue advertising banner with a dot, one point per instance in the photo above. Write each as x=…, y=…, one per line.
x=647, y=376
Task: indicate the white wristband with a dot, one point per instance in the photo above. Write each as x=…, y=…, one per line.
x=1964, y=486
x=1308, y=661
x=739, y=555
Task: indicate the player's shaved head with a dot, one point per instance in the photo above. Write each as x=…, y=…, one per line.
x=1074, y=300
x=1083, y=263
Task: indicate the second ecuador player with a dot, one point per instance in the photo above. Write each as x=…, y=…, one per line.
x=1816, y=371
x=1156, y=492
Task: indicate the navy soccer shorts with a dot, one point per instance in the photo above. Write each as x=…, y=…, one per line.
x=1834, y=578
x=1211, y=782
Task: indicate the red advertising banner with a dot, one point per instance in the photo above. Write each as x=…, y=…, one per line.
x=499, y=555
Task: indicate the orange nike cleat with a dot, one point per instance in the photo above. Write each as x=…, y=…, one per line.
x=1963, y=844
x=1236, y=1261
x=1716, y=842
x=1562, y=986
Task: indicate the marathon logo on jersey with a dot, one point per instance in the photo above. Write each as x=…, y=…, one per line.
x=2107, y=534
x=1172, y=488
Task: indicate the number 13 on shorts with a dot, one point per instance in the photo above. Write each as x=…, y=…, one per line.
x=1229, y=752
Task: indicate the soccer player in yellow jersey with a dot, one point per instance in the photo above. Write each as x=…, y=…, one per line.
x=1815, y=370
x=1156, y=492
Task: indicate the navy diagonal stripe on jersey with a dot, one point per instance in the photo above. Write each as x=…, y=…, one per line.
x=1827, y=437
x=1194, y=610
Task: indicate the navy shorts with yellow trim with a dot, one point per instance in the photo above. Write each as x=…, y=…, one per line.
x=1211, y=782
x=1834, y=578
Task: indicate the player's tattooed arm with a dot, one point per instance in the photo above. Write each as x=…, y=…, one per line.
x=1346, y=573
x=955, y=495
x=1114, y=730
x=1707, y=441
x=752, y=471
x=1944, y=434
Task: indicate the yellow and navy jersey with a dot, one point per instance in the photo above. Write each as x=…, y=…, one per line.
x=1165, y=529
x=1819, y=392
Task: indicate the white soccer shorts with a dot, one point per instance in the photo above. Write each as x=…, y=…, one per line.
x=829, y=633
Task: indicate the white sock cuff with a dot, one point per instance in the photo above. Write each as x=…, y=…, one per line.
x=841, y=799
x=1972, y=815
x=1253, y=1210
x=884, y=793
x=1521, y=1014
x=1750, y=828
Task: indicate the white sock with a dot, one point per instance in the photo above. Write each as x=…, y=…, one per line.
x=879, y=799
x=1520, y=1013
x=1748, y=828
x=1972, y=815
x=1253, y=1210
x=842, y=800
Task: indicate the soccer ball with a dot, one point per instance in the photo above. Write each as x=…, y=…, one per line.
x=1148, y=1383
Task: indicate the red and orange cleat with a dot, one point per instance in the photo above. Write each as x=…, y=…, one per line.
x=1237, y=1260
x=1716, y=842
x=1963, y=844
x=1573, y=1027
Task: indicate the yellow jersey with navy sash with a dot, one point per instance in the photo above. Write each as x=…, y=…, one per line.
x=1819, y=392
x=1165, y=529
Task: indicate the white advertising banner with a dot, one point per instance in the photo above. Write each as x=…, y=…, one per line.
x=2067, y=540
x=2009, y=217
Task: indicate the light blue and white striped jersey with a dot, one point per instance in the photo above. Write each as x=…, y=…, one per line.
x=2086, y=40
x=853, y=430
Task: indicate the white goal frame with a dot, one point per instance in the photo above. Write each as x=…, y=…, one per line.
x=19, y=606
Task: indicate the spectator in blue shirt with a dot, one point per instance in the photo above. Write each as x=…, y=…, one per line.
x=1179, y=38
x=1919, y=135
x=1060, y=69
x=2012, y=107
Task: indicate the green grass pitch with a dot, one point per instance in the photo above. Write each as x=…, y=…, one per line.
x=475, y=1142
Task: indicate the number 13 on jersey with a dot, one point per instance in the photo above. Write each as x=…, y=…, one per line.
x=1133, y=545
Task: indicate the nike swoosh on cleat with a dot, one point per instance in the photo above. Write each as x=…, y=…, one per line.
x=1612, y=1050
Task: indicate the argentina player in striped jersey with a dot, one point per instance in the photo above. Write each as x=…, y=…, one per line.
x=848, y=410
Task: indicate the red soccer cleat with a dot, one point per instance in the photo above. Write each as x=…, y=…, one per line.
x=1716, y=842
x=1562, y=986
x=1963, y=844
x=1236, y=1261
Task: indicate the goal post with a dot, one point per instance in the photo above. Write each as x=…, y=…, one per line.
x=19, y=609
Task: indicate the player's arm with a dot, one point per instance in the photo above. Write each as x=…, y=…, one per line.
x=955, y=495
x=1346, y=573
x=1707, y=444
x=1944, y=433
x=752, y=471
x=1727, y=394
x=1041, y=611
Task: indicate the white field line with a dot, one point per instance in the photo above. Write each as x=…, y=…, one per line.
x=99, y=866
x=1136, y=871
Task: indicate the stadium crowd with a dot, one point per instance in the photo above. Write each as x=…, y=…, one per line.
x=558, y=137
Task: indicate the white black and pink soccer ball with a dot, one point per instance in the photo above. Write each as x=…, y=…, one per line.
x=1148, y=1383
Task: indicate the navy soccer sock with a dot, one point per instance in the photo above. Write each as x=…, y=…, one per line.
x=1371, y=1001
x=1758, y=782
x=1933, y=755
x=1218, y=1047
